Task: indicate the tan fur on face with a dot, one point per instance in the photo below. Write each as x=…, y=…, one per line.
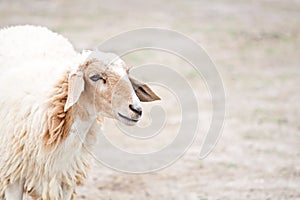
x=59, y=122
x=102, y=99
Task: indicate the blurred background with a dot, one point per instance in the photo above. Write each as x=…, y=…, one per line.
x=255, y=45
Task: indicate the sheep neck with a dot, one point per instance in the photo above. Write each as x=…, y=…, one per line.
x=84, y=117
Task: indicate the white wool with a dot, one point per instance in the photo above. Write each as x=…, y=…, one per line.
x=32, y=59
x=29, y=54
x=28, y=42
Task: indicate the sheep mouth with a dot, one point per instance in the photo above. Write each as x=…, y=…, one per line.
x=128, y=118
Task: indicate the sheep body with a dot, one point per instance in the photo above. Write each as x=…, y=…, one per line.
x=33, y=86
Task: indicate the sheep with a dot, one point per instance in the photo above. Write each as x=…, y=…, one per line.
x=50, y=95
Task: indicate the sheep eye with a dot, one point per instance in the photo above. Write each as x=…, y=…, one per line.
x=95, y=77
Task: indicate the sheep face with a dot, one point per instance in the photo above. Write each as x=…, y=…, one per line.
x=111, y=91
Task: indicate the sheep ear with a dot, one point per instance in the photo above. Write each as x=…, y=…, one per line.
x=143, y=91
x=75, y=88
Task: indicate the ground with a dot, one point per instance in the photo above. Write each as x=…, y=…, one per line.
x=255, y=46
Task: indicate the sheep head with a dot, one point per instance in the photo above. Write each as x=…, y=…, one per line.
x=104, y=82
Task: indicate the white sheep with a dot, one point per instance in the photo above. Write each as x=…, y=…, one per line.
x=50, y=96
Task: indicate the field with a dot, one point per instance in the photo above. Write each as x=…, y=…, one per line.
x=256, y=48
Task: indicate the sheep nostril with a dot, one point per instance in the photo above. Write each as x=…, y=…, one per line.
x=137, y=110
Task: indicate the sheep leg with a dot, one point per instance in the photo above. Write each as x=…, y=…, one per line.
x=14, y=191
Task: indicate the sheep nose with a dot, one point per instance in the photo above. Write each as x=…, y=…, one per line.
x=136, y=109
